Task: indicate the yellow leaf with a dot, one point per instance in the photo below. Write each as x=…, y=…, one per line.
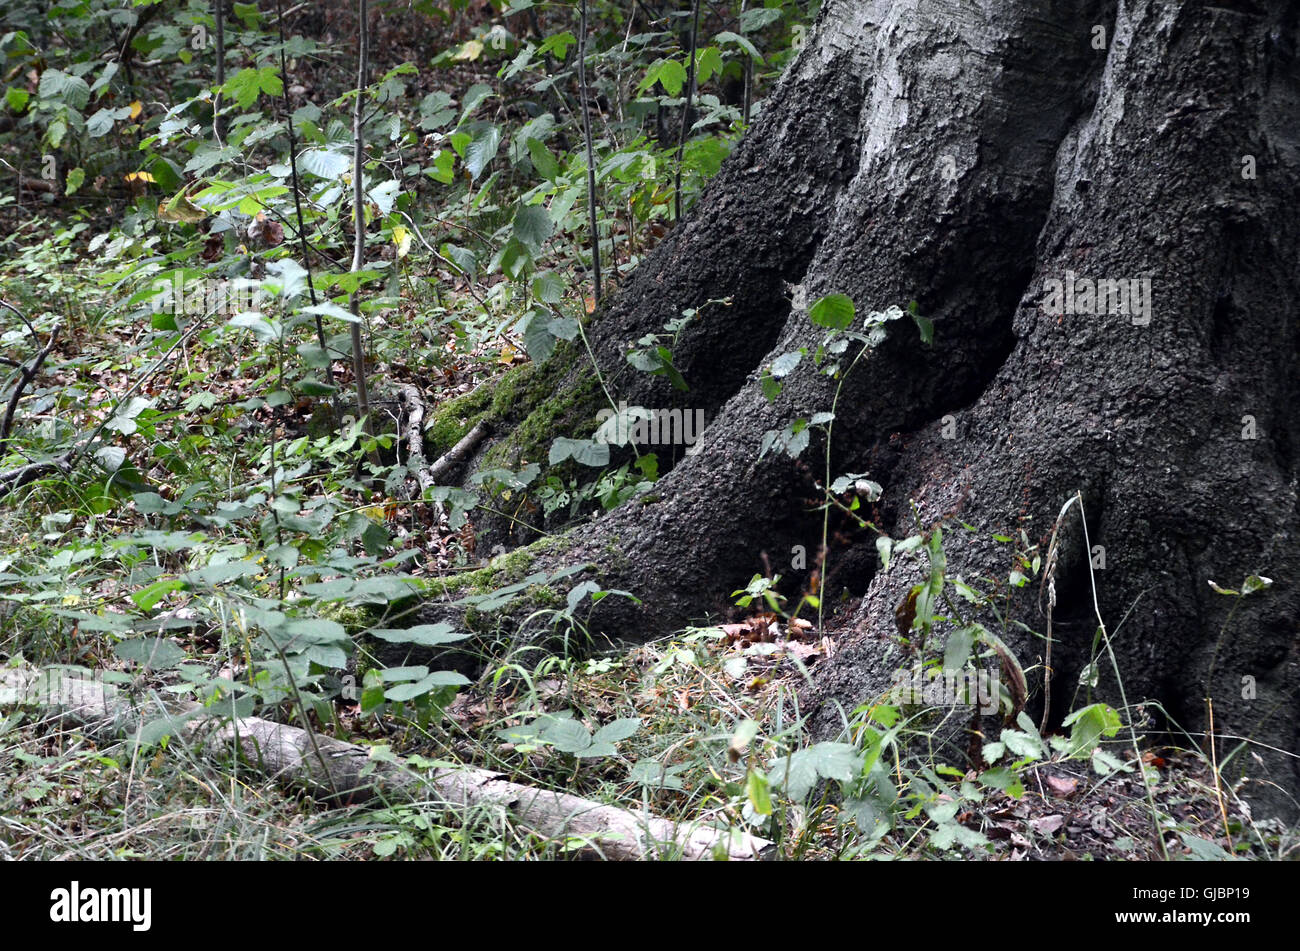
x=471, y=51
x=402, y=238
x=137, y=107
x=180, y=209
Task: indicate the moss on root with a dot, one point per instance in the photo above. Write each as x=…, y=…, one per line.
x=454, y=418
x=503, y=570
x=527, y=406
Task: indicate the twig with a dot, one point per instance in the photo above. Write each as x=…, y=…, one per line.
x=26, y=375
x=12, y=479
x=413, y=432
x=687, y=112
x=219, y=10
x=591, y=161
x=297, y=199
x=359, y=216
x=460, y=452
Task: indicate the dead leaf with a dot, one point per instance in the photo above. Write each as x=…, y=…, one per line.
x=1046, y=825
x=212, y=247
x=1062, y=785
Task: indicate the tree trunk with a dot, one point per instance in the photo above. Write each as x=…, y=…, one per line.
x=967, y=156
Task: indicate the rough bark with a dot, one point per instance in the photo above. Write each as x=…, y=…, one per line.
x=965, y=155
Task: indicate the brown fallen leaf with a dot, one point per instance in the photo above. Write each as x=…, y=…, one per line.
x=798, y=628
x=1046, y=825
x=803, y=651
x=1062, y=786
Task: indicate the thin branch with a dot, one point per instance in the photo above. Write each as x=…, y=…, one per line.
x=25, y=377
x=591, y=162
x=688, y=111
x=219, y=8
x=359, y=211
x=12, y=479
x=297, y=199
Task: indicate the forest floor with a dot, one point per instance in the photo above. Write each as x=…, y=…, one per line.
x=214, y=502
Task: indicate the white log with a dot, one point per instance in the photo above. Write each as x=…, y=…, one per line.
x=330, y=768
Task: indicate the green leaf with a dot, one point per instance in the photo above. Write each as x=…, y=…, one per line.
x=70, y=90
x=543, y=161
x=403, y=693
x=384, y=195
x=1022, y=744
x=539, y=341
x=585, y=451
x=155, y=653
x=1089, y=724
x=742, y=42
x=156, y=730
x=146, y=598
x=795, y=775
x=482, y=149
x=669, y=73
x=1001, y=777
x=549, y=287
x=755, y=18
x=926, y=327
x=617, y=730
x=596, y=750
x=102, y=121
x=75, y=179
x=439, y=678
x=474, y=98
x=786, y=362
x=566, y=735
x=708, y=63
x=834, y=311
x=435, y=111
x=325, y=163
x=837, y=761
x=558, y=44
x=957, y=650
x=426, y=635
x=247, y=84
x=756, y=791
x=652, y=773
x=1203, y=850
x=442, y=168
x=532, y=226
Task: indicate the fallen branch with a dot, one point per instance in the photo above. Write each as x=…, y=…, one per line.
x=413, y=434
x=13, y=479
x=26, y=374
x=286, y=753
